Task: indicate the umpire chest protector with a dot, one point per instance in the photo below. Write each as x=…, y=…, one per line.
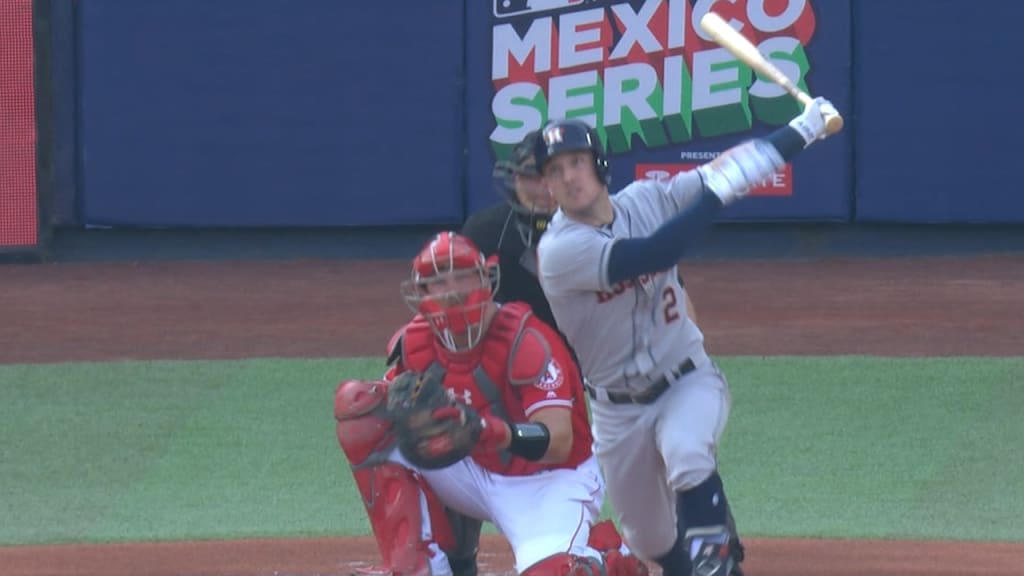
x=485, y=376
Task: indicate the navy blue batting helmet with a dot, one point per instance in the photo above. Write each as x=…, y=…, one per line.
x=571, y=135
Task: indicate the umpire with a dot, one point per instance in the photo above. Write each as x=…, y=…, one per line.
x=511, y=229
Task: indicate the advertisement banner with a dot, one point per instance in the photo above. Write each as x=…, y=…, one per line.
x=19, y=219
x=661, y=94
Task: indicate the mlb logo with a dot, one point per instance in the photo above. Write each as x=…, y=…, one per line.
x=505, y=8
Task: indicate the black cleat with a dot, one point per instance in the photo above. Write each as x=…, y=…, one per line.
x=712, y=553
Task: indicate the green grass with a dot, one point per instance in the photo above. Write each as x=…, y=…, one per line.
x=866, y=447
x=837, y=447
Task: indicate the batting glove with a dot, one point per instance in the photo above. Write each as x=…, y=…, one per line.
x=811, y=123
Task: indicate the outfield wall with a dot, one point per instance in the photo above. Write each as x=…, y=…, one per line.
x=273, y=113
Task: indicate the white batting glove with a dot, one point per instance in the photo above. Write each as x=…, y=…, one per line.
x=811, y=123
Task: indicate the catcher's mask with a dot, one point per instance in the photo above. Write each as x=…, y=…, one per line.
x=452, y=286
x=521, y=184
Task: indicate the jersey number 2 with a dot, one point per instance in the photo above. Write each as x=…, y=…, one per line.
x=668, y=297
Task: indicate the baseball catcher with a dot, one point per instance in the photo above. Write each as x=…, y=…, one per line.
x=482, y=413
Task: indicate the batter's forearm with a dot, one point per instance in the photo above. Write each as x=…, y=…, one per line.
x=787, y=141
x=633, y=257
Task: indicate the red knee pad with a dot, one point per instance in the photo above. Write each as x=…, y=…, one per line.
x=390, y=492
x=363, y=426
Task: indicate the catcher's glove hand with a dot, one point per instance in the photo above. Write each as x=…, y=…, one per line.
x=433, y=430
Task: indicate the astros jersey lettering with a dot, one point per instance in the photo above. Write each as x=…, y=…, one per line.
x=590, y=311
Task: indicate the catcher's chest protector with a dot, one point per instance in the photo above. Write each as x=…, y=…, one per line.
x=463, y=377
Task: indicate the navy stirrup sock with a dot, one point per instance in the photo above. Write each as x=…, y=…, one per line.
x=702, y=505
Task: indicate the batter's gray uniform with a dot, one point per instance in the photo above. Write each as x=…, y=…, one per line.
x=628, y=337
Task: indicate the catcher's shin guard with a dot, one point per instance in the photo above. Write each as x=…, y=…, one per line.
x=391, y=496
x=390, y=492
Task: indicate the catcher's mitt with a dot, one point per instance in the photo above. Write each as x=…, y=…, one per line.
x=433, y=430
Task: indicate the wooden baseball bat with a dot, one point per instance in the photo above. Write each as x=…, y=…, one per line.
x=727, y=37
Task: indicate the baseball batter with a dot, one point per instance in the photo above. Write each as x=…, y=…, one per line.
x=659, y=404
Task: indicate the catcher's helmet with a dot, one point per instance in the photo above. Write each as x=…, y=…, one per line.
x=519, y=174
x=571, y=135
x=452, y=285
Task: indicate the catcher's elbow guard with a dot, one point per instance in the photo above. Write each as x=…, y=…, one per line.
x=530, y=440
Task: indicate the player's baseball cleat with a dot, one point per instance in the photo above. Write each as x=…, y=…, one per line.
x=713, y=559
x=711, y=551
x=737, y=551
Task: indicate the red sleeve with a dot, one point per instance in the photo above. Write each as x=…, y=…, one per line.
x=543, y=369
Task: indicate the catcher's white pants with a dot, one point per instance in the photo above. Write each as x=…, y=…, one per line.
x=543, y=514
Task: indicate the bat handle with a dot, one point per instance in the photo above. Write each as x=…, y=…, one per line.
x=833, y=123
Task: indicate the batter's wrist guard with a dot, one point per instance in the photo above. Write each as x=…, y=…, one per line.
x=733, y=173
x=530, y=440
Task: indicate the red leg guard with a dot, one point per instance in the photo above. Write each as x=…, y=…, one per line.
x=392, y=500
x=390, y=492
x=363, y=427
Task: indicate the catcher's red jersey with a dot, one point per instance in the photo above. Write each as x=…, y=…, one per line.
x=522, y=365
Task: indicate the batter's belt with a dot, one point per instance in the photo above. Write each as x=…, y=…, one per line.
x=647, y=395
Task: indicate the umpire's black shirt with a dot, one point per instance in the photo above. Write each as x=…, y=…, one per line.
x=494, y=231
